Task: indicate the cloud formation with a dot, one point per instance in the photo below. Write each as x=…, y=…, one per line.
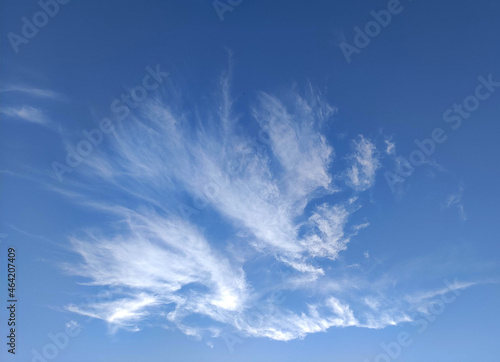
x=364, y=164
x=269, y=188
x=32, y=91
x=455, y=200
x=26, y=113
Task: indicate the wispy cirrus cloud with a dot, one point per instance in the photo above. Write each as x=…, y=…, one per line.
x=364, y=164
x=390, y=147
x=26, y=113
x=153, y=262
x=455, y=200
x=33, y=91
x=270, y=189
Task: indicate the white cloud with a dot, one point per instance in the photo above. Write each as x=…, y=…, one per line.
x=36, y=92
x=271, y=191
x=154, y=259
x=364, y=164
x=120, y=313
x=235, y=176
x=390, y=147
x=26, y=113
x=455, y=200
x=326, y=236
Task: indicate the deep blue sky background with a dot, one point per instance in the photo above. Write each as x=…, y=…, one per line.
x=396, y=89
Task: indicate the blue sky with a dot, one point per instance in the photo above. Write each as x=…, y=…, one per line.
x=251, y=181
